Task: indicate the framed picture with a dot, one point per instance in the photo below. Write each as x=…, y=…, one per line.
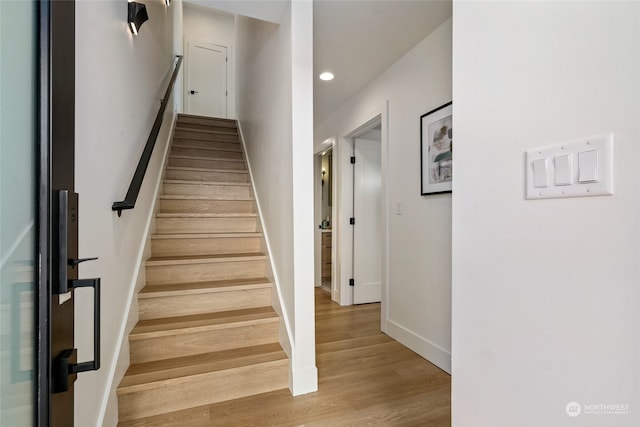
x=436, y=150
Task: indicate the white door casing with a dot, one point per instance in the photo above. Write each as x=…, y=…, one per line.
x=367, y=231
x=206, y=86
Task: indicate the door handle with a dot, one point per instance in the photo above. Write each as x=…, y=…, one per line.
x=65, y=364
x=66, y=210
x=193, y=92
x=74, y=262
x=64, y=277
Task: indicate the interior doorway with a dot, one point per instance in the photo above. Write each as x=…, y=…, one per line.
x=367, y=211
x=324, y=205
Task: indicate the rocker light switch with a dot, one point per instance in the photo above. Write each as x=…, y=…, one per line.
x=578, y=168
x=563, y=169
x=540, y=176
x=588, y=166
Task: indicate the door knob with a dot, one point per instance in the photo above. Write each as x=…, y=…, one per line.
x=193, y=92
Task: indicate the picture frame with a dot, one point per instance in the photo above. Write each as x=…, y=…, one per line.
x=436, y=150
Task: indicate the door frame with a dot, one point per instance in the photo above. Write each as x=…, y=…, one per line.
x=187, y=70
x=42, y=380
x=344, y=199
x=362, y=147
x=56, y=100
x=328, y=144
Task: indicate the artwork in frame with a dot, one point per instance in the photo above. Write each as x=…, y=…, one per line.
x=436, y=150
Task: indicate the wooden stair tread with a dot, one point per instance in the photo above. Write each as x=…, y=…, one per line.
x=196, y=169
x=221, y=159
x=142, y=375
x=234, y=147
x=200, y=259
x=221, y=183
x=195, y=116
x=157, y=291
x=245, y=234
x=199, y=197
x=185, y=127
x=179, y=325
x=206, y=215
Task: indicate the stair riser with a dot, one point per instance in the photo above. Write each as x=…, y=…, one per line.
x=210, y=176
x=206, y=163
x=228, y=129
x=177, y=273
x=204, y=389
x=216, y=154
x=184, y=305
x=191, y=143
x=194, y=247
x=187, y=344
x=205, y=225
x=205, y=136
x=206, y=206
x=218, y=192
x=207, y=121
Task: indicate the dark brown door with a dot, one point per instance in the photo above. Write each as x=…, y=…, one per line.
x=62, y=91
x=63, y=217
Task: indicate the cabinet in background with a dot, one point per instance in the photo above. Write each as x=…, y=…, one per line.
x=325, y=257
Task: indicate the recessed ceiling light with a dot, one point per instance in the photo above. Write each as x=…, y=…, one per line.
x=326, y=76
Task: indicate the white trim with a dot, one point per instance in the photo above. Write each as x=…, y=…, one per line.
x=123, y=332
x=303, y=381
x=187, y=59
x=425, y=348
x=344, y=235
x=328, y=144
x=285, y=345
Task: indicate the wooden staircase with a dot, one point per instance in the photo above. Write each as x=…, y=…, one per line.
x=207, y=331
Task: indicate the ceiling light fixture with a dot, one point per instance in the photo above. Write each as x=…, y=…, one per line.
x=326, y=76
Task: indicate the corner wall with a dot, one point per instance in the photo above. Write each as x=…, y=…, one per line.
x=416, y=310
x=275, y=112
x=120, y=79
x=546, y=293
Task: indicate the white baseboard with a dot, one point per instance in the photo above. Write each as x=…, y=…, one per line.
x=108, y=406
x=425, y=348
x=303, y=381
x=286, y=337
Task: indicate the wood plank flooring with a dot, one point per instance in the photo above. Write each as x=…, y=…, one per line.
x=365, y=378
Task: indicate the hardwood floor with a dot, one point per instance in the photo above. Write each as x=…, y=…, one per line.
x=365, y=378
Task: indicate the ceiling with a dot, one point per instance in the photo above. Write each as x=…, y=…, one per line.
x=357, y=40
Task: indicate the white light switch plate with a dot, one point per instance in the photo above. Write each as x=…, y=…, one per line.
x=603, y=144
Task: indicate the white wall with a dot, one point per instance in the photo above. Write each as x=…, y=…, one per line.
x=275, y=111
x=545, y=292
x=416, y=308
x=119, y=81
x=202, y=24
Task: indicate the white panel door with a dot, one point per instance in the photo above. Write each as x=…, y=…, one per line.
x=367, y=232
x=207, y=80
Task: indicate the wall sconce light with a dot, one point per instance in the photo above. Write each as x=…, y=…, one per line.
x=323, y=172
x=167, y=2
x=137, y=16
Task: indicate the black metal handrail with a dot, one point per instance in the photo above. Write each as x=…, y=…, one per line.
x=129, y=201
